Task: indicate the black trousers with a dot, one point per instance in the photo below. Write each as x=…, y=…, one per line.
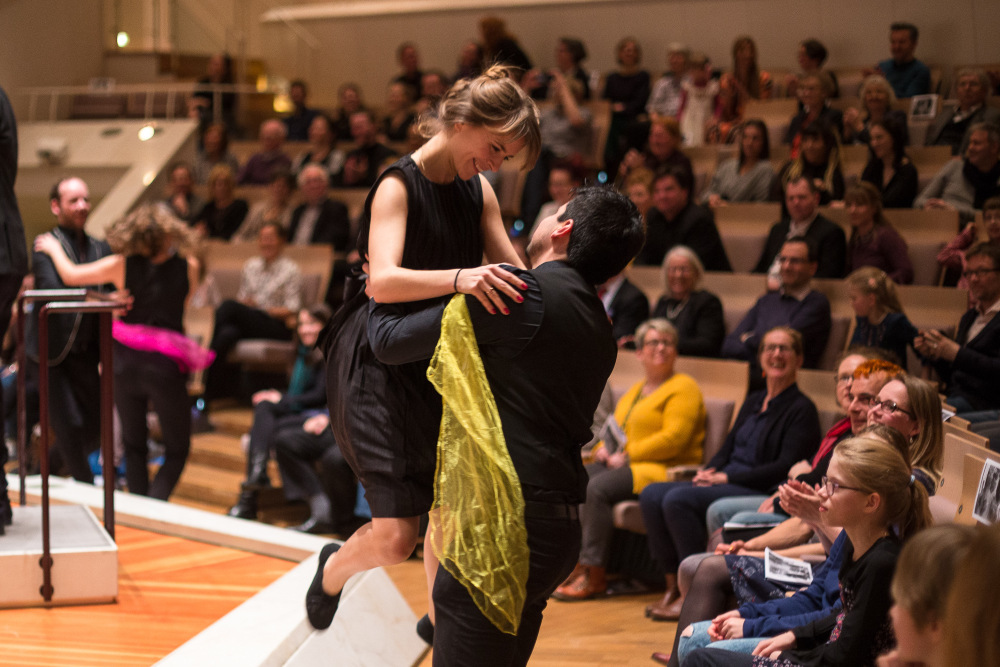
x=9, y=286
x=141, y=379
x=463, y=636
x=269, y=419
x=74, y=409
x=235, y=321
x=298, y=453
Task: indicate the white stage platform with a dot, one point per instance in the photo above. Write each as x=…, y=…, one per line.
x=375, y=627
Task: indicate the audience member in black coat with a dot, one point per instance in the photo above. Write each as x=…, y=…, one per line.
x=802, y=201
x=696, y=314
x=814, y=89
x=675, y=220
x=626, y=305
x=223, y=214
x=318, y=219
x=889, y=169
x=363, y=165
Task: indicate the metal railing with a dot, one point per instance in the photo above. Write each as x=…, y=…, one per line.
x=67, y=301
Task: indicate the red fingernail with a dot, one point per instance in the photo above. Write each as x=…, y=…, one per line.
x=520, y=299
x=524, y=285
x=506, y=312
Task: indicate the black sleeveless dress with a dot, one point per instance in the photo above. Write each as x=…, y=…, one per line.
x=386, y=418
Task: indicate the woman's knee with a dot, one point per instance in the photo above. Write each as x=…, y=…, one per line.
x=395, y=539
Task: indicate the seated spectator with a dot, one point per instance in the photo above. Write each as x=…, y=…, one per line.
x=262, y=164
x=698, y=105
x=322, y=149
x=874, y=242
x=752, y=82
x=695, y=313
x=952, y=257
x=570, y=52
x=363, y=164
x=893, y=509
x=747, y=177
x=349, y=97
x=399, y=114
x=638, y=188
x=972, y=617
x=566, y=133
x=501, y=48
x=964, y=185
x=889, y=169
x=728, y=112
x=627, y=89
x=926, y=568
x=795, y=305
x=330, y=491
x=802, y=202
x=877, y=101
x=951, y=127
x=814, y=94
x=667, y=95
x=676, y=220
x=318, y=219
x=224, y=213
x=811, y=57
x=879, y=318
x=819, y=161
x=218, y=72
x=775, y=427
x=180, y=198
x=275, y=410
x=269, y=296
x=275, y=208
x=214, y=150
x=970, y=364
x=433, y=85
x=409, y=61
x=662, y=149
x=470, y=61
x=298, y=122
x=658, y=423
x=627, y=308
x=907, y=75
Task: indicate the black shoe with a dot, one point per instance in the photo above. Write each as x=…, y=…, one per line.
x=320, y=607
x=315, y=526
x=6, y=513
x=246, y=506
x=425, y=629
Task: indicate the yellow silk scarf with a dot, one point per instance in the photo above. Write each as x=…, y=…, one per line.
x=477, y=524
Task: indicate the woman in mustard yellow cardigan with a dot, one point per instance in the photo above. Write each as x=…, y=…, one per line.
x=658, y=423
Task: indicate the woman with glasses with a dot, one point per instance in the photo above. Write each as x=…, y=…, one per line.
x=870, y=492
x=913, y=407
x=776, y=427
x=658, y=423
x=695, y=313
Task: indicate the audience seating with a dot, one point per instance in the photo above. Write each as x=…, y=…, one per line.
x=949, y=501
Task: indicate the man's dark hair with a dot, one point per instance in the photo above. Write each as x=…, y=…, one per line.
x=983, y=249
x=815, y=50
x=808, y=181
x=299, y=83
x=608, y=232
x=684, y=178
x=908, y=27
x=812, y=252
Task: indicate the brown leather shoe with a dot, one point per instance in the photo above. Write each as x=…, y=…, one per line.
x=667, y=612
x=577, y=571
x=588, y=585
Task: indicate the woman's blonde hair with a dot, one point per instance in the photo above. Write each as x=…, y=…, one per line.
x=877, y=81
x=644, y=177
x=148, y=230
x=926, y=568
x=686, y=253
x=876, y=466
x=221, y=172
x=865, y=193
x=660, y=325
x=972, y=617
x=492, y=100
x=871, y=280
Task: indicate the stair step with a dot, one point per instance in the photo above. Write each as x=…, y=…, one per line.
x=219, y=450
x=209, y=485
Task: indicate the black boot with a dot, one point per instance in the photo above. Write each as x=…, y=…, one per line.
x=246, y=506
x=257, y=477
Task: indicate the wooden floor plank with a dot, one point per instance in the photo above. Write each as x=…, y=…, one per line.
x=170, y=589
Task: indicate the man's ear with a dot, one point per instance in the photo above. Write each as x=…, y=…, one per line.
x=563, y=230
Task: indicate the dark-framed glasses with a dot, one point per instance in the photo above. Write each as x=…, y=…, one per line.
x=832, y=486
x=891, y=408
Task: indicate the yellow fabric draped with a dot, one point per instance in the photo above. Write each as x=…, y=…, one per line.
x=477, y=523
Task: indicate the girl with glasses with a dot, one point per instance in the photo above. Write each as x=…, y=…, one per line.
x=878, y=503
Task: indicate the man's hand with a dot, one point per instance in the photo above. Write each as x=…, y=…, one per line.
x=268, y=395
